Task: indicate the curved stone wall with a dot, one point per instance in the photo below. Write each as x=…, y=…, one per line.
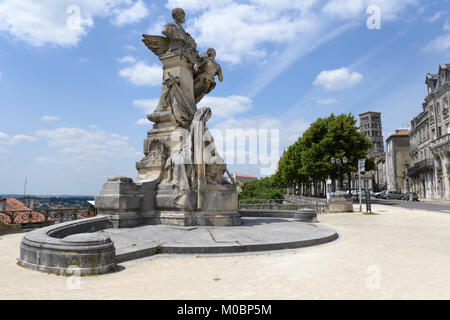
x=69, y=247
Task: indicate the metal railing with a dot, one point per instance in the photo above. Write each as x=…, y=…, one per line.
x=280, y=205
x=420, y=166
x=28, y=217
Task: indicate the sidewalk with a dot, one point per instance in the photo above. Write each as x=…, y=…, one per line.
x=396, y=253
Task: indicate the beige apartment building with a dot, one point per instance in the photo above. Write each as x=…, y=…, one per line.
x=397, y=159
x=429, y=170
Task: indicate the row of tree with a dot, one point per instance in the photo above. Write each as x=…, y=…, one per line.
x=306, y=164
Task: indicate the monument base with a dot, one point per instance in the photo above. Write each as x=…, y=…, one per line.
x=129, y=205
x=341, y=202
x=200, y=218
x=178, y=218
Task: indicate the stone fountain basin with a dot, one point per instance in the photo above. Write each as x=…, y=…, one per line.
x=70, y=248
x=94, y=246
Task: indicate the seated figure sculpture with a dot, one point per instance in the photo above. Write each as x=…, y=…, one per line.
x=181, y=176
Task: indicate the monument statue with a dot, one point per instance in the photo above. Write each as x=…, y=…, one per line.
x=181, y=177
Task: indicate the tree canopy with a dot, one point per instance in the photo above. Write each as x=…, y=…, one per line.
x=265, y=188
x=309, y=158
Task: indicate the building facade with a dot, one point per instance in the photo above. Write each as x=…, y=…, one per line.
x=380, y=174
x=397, y=159
x=429, y=172
x=370, y=126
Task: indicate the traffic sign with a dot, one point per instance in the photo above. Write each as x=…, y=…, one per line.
x=362, y=165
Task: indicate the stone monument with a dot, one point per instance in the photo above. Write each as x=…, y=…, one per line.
x=181, y=177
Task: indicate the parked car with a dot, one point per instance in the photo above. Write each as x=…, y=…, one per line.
x=380, y=194
x=412, y=196
x=392, y=195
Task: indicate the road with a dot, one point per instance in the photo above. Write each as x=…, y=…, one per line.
x=415, y=205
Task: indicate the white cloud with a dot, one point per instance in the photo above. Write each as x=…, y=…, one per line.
x=157, y=25
x=344, y=8
x=1, y=75
x=243, y=32
x=143, y=122
x=93, y=145
x=49, y=118
x=63, y=22
x=147, y=105
x=132, y=14
x=325, y=100
x=350, y=9
x=259, y=158
x=222, y=107
x=225, y=107
x=142, y=74
x=441, y=43
x=338, y=79
x=127, y=59
x=238, y=31
x=435, y=17
x=8, y=140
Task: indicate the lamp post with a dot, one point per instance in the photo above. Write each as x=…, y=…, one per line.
x=340, y=163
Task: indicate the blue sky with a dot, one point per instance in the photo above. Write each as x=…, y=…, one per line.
x=76, y=82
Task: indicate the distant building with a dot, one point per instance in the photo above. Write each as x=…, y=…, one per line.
x=370, y=126
x=380, y=173
x=397, y=156
x=429, y=172
x=241, y=179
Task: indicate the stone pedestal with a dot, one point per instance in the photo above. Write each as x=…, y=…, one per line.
x=341, y=201
x=150, y=199
x=121, y=199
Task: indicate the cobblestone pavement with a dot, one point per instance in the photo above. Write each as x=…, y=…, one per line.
x=397, y=253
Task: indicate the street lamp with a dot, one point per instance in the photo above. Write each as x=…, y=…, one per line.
x=340, y=162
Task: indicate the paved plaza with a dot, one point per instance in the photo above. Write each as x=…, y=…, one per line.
x=255, y=234
x=397, y=253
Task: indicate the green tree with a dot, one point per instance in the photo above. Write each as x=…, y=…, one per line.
x=265, y=188
x=308, y=160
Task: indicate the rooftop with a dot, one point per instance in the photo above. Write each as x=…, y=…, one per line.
x=369, y=112
x=400, y=133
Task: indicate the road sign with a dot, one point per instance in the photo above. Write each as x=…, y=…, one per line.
x=361, y=165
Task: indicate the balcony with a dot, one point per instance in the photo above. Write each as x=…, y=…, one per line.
x=440, y=142
x=421, y=166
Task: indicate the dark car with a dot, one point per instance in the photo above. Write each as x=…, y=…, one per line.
x=380, y=194
x=412, y=196
x=392, y=195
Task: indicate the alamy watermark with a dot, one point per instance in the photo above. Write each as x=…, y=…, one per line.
x=374, y=280
x=73, y=282
x=230, y=146
x=73, y=21
x=374, y=20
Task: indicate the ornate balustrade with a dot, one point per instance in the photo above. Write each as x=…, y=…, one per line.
x=424, y=165
x=45, y=216
x=440, y=143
